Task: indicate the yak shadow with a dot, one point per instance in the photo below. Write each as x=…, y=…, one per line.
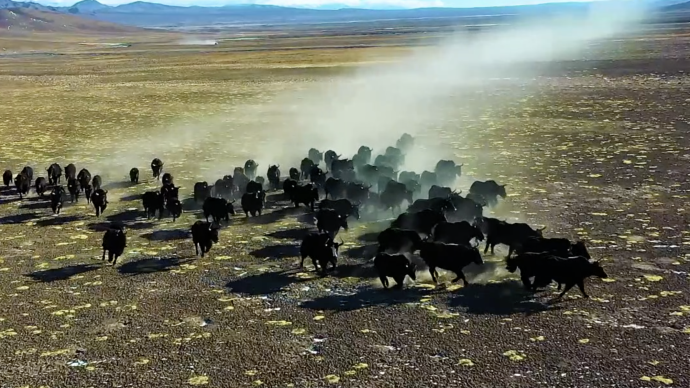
x=103, y=226
x=366, y=252
x=58, y=220
x=37, y=198
x=64, y=273
x=167, y=235
x=269, y=218
x=35, y=205
x=504, y=298
x=189, y=204
x=131, y=219
x=365, y=298
x=371, y=237
x=152, y=265
x=364, y=271
x=265, y=283
x=279, y=251
x=291, y=234
x=118, y=185
x=308, y=218
x=5, y=201
x=18, y=218
x=125, y=216
x=133, y=197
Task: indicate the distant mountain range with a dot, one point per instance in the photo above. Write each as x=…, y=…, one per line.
x=145, y=14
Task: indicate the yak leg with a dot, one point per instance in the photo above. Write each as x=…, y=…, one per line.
x=103, y=258
x=196, y=248
x=384, y=281
x=301, y=263
x=581, y=286
x=567, y=288
x=486, y=248
x=460, y=275
x=399, y=280
x=526, y=282
x=434, y=274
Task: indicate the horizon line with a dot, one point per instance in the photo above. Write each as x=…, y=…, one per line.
x=318, y=7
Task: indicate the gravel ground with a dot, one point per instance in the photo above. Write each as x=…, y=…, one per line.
x=596, y=154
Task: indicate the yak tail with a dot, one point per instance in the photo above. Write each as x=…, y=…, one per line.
x=511, y=264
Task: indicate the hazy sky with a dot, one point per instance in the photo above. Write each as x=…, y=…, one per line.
x=352, y=3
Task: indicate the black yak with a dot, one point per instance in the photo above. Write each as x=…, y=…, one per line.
x=204, y=234
x=99, y=198
x=57, y=199
x=395, y=240
x=218, y=208
x=457, y=233
x=343, y=207
x=329, y=221
x=253, y=202
x=501, y=232
x=250, y=167
x=153, y=201
x=96, y=182
x=273, y=176
x=84, y=178
x=335, y=188
x=134, y=175
x=7, y=178
x=22, y=182
x=451, y=257
x=70, y=171
x=114, y=241
x=294, y=174
x=395, y=266
x=73, y=188
x=201, y=191
x=157, y=168
x=421, y=222
x=545, y=268
x=167, y=179
x=305, y=167
x=54, y=174
x=307, y=195
x=41, y=186
x=322, y=250
x=315, y=156
x=490, y=190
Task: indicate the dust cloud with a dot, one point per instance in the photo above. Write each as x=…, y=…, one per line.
x=423, y=90
x=373, y=105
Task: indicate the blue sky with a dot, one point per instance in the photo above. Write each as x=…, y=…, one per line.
x=352, y=3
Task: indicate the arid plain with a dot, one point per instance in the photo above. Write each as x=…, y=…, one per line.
x=595, y=148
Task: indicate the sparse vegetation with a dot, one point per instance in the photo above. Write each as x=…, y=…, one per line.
x=598, y=153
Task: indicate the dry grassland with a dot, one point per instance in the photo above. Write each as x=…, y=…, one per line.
x=599, y=152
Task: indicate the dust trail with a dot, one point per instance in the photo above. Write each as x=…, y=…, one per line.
x=375, y=105
x=420, y=94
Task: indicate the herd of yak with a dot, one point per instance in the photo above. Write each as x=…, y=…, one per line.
x=444, y=227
